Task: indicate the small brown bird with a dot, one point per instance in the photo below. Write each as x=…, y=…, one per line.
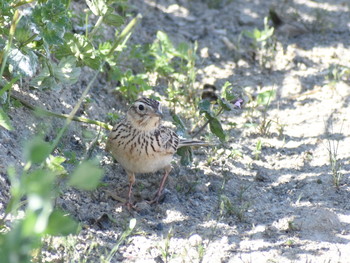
x=142, y=145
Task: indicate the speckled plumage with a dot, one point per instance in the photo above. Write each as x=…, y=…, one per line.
x=141, y=144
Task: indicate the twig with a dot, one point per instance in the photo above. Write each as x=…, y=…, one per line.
x=61, y=116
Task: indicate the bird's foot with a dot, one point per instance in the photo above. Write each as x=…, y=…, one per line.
x=158, y=197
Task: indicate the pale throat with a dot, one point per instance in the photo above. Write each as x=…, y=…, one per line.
x=147, y=123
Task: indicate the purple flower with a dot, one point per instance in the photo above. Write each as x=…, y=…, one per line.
x=238, y=103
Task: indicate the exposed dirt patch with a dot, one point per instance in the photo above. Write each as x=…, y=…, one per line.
x=280, y=207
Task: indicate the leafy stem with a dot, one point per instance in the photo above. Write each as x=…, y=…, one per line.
x=124, y=35
x=22, y=3
x=221, y=110
x=61, y=116
x=15, y=20
x=96, y=27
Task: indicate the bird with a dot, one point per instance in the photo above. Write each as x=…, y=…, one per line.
x=141, y=144
x=289, y=29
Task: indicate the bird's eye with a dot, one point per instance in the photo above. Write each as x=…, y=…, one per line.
x=141, y=107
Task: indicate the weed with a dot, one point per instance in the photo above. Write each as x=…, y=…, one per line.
x=257, y=150
x=174, y=63
x=291, y=226
x=121, y=239
x=264, y=99
x=227, y=102
x=261, y=105
x=200, y=251
x=335, y=163
x=38, y=179
x=166, y=254
x=238, y=208
x=337, y=73
x=264, y=44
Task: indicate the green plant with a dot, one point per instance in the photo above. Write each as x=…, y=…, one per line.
x=261, y=105
x=226, y=102
x=264, y=99
x=131, y=84
x=38, y=180
x=335, y=163
x=257, y=150
x=264, y=44
x=166, y=254
x=121, y=239
x=37, y=184
x=238, y=210
x=337, y=73
x=40, y=41
x=200, y=251
x=211, y=112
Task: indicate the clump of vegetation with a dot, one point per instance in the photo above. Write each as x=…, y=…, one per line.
x=338, y=73
x=334, y=161
x=38, y=47
x=263, y=44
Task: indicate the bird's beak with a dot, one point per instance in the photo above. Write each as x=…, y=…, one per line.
x=158, y=113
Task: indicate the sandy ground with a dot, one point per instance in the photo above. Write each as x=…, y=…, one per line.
x=231, y=204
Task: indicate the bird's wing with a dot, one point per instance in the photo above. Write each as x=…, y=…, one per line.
x=167, y=139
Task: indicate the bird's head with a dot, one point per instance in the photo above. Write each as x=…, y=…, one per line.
x=145, y=114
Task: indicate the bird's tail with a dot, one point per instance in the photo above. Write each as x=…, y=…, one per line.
x=184, y=143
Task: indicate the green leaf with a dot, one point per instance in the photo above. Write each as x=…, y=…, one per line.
x=45, y=81
x=227, y=91
x=23, y=64
x=60, y=224
x=186, y=155
x=179, y=125
x=5, y=120
x=23, y=30
x=8, y=86
x=15, y=246
x=132, y=223
x=36, y=150
x=16, y=191
x=166, y=45
x=82, y=49
x=97, y=7
x=113, y=20
x=66, y=71
x=51, y=20
x=225, y=104
x=104, y=48
x=86, y=177
x=39, y=184
x=54, y=164
x=204, y=107
x=216, y=128
x=264, y=98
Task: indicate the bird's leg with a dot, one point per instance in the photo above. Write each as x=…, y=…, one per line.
x=161, y=186
x=131, y=176
x=127, y=202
